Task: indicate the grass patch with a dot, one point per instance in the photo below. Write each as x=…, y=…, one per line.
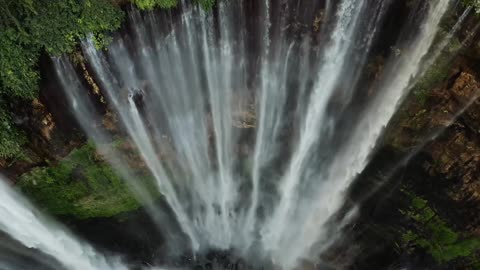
x=433, y=234
x=81, y=185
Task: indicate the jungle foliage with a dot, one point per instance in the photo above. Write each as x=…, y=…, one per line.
x=29, y=28
x=474, y=3
x=81, y=185
x=433, y=234
x=11, y=139
x=150, y=4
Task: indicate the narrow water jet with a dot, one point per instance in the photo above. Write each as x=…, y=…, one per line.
x=21, y=221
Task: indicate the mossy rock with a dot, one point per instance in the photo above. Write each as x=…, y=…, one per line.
x=436, y=236
x=81, y=186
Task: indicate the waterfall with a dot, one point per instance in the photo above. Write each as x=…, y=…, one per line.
x=20, y=220
x=267, y=124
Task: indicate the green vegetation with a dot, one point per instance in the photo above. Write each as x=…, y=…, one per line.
x=207, y=4
x=474, y=3
x=30, y=27
x=439, y=70
x=150, y=4
x=432, y=77
x=27, y=28
x=435, y=236
x=11, y=139
x=81, y=185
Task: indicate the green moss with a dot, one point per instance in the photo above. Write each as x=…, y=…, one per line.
x=207, y=4
x=51, y=25
x=435, y=75
x=439, y=70
x=434, y=235
x=28, y=28
x=81, y=185
x=151, y=4
x=473, y=3
x=11, y=139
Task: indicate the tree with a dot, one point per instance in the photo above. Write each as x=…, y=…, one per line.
x=473, y=3
x=150, y=4
x=28, y=27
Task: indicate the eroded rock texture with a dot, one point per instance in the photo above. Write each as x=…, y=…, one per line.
x=443, y=133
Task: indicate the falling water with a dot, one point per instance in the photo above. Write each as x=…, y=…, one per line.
x=265, y=133
x=27, y=225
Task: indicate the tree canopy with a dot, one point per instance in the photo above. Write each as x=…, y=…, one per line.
x=474, y=3
x=30, y=27
x=150, y=4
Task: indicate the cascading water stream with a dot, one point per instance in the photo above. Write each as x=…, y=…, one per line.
x=352, y=158
x=264, y=132
x=20, y=220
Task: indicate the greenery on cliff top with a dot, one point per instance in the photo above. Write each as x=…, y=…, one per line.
x=474, y=3
x=434, y=235
x=11, y=139
x=150, y=4
x=82, y=186
x=30, y=27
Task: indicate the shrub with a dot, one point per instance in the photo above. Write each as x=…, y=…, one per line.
x=434, y=235
x=81, y=186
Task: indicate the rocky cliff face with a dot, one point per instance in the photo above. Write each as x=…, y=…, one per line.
x=436, y=194
x=443, y=129
x=438, y=129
